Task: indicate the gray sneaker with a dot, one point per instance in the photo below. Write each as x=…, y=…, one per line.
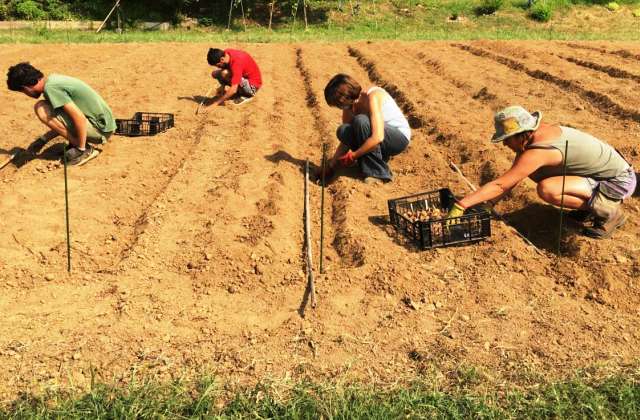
x=77, y=157
x=239, y=100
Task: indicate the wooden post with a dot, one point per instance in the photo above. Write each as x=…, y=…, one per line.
x=307, y=229
x=273, y=2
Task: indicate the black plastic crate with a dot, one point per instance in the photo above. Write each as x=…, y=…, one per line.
x=144, y=124
x=473, y=226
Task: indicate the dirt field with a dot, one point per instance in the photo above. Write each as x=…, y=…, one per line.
x=187, y=246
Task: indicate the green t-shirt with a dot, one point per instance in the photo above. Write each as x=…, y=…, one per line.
x=59, y=90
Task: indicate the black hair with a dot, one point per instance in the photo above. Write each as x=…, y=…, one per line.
x=342, y=90
x=21, y=75
x=214, y=55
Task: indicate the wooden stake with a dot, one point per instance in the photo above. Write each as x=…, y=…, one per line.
x=323, y=180
x=495, y=212
x=273, y=3
x=108, y=16
x=307, y=229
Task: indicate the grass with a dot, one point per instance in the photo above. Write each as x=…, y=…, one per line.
x=581, y=397
x=401, y=19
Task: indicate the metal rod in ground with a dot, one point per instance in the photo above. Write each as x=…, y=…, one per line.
x=66, y=208
x=307, y=229
x=324, y=162
x=8, y=160
x=564, y=176
x=494, y=212
x=206, y=96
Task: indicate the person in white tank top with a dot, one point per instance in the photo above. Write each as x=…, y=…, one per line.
x=373, y=128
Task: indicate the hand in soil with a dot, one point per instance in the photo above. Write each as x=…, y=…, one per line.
x=329, y=173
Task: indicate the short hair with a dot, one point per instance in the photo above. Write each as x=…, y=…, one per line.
x=214, y=56
x=21, y=75
x=342, y=90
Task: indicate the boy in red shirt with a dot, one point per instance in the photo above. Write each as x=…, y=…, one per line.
x=238, y=71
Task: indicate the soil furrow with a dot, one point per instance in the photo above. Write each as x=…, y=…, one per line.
x=349, y=249
x=415, y=121
x=622, y=53
x=610, y=70
x=598, y=100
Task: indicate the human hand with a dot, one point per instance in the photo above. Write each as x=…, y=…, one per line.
x=329, y=172
x=348, y=159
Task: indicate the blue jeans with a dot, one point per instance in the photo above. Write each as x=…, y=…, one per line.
x=373, y=163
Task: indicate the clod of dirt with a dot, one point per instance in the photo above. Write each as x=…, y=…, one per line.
x=49, y=277
x=410, y=303
x=232, y=289
x=259, y=269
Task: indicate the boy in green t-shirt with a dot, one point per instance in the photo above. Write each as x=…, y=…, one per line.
x=71, y=109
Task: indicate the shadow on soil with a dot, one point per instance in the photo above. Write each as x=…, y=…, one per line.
x=382, y=222
x=540, y=222
x=197, y=99
x=314, y=169
x=24, y=156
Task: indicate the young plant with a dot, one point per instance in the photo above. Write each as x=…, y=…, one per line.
x=541, y=11
x=488, y=7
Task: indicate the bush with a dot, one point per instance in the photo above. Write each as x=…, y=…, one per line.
x=613, y=6
x=541, y=11
x=458, y=8
x=488, y=7
x=57, y=10
x=4, y=11
x=28, y=9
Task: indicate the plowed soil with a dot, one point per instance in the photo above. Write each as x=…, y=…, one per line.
x=187, y=247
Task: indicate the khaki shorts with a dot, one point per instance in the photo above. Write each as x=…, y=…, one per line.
x=94, y=135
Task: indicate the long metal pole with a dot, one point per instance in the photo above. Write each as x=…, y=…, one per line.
x=307, y=224
x=564, y=176
x=66, y=207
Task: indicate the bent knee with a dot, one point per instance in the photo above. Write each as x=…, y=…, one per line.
x=342, y=130
x=546, y=191
x=43, y=110
x=361, y=120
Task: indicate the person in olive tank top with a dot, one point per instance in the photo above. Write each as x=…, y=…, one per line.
x=71, y=109
x=597, y=178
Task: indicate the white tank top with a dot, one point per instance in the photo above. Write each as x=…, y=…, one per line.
x=392, y=115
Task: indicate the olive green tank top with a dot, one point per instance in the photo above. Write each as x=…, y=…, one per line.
x=586, y=156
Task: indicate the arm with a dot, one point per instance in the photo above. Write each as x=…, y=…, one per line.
x=522, y=167
x=80, y=122
x=227, y=95
x=377, y=124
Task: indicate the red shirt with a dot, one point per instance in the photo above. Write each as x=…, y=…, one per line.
x=242, y=65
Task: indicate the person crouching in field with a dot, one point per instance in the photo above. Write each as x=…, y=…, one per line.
x=238, y=74
x=373, y=128
x=70, y=109
x=597, y=179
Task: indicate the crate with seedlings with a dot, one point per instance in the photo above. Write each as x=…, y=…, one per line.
x=144, y=124
x=422, y=218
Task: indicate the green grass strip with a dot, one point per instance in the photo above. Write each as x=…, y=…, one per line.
x=613, y=398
